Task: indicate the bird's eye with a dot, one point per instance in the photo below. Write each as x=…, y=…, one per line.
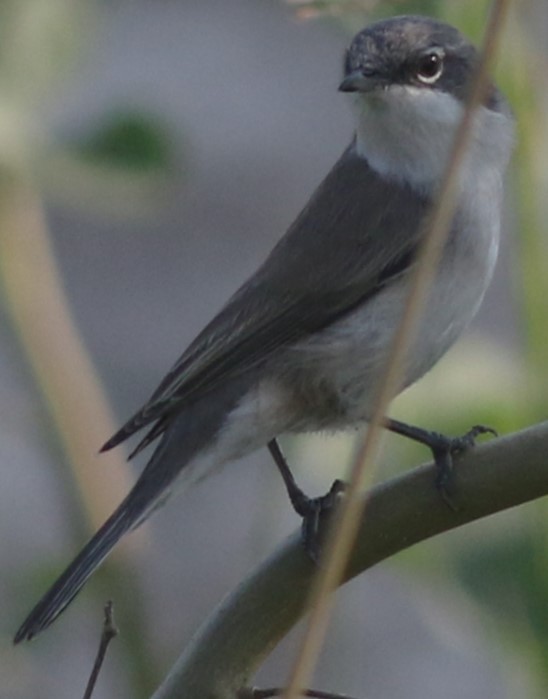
x=430, y=67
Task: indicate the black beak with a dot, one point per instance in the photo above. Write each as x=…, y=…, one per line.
x=358, y=82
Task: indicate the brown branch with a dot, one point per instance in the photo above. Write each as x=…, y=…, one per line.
x=249, y=623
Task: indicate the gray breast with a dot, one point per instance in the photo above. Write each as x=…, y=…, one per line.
x=331, y=376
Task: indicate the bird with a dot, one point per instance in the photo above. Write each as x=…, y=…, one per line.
x=300, y=345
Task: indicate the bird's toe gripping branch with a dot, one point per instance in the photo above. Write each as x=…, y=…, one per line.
x=443, y=450
x=314, y=511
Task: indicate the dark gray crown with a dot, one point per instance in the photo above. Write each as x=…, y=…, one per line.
x=392, y=49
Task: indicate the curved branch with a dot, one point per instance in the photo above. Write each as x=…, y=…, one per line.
x=249, y=623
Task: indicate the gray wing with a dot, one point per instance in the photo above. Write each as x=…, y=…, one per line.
x=356, y=233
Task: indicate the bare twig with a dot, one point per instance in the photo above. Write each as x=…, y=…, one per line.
x=254, y=693
x=108, y=633
x=343, y=533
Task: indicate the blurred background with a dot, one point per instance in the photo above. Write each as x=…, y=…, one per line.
x=151, y=153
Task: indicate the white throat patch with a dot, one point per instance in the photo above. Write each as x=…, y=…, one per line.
x=406, y=134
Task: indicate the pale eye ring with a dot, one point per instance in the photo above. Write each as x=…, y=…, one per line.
x=430, y=67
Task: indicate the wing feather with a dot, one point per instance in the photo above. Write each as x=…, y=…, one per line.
x=357, y=232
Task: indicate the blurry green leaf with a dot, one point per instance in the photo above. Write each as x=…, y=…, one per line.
x=506, y=578
x=130, y=141
x=511, y=579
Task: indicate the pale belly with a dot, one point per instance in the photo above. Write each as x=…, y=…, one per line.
x=329, y=380
x=334, y=375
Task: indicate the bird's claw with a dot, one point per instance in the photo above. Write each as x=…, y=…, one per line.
x=443, y=449
x=315, y=512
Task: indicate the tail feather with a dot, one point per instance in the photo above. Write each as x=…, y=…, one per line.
x=188, y=434
x=71, y=581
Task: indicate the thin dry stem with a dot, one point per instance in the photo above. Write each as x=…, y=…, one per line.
x=50, y=340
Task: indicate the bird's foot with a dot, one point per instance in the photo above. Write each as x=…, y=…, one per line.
x=443, y=450
x=315, y=512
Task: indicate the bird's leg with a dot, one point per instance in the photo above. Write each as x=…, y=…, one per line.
x=442, y=447
x=312, y=510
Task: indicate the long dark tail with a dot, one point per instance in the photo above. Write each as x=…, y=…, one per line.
x=71, y=581
x=189, y=433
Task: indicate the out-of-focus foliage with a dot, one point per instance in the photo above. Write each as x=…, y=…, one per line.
x=127, y=140
x=354, y=13
x=38, y=43
x=120, y=166
x=129, y=156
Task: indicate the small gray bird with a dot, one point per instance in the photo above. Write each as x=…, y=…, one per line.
x=299, y=347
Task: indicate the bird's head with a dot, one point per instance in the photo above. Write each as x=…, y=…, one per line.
x=410, y=78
